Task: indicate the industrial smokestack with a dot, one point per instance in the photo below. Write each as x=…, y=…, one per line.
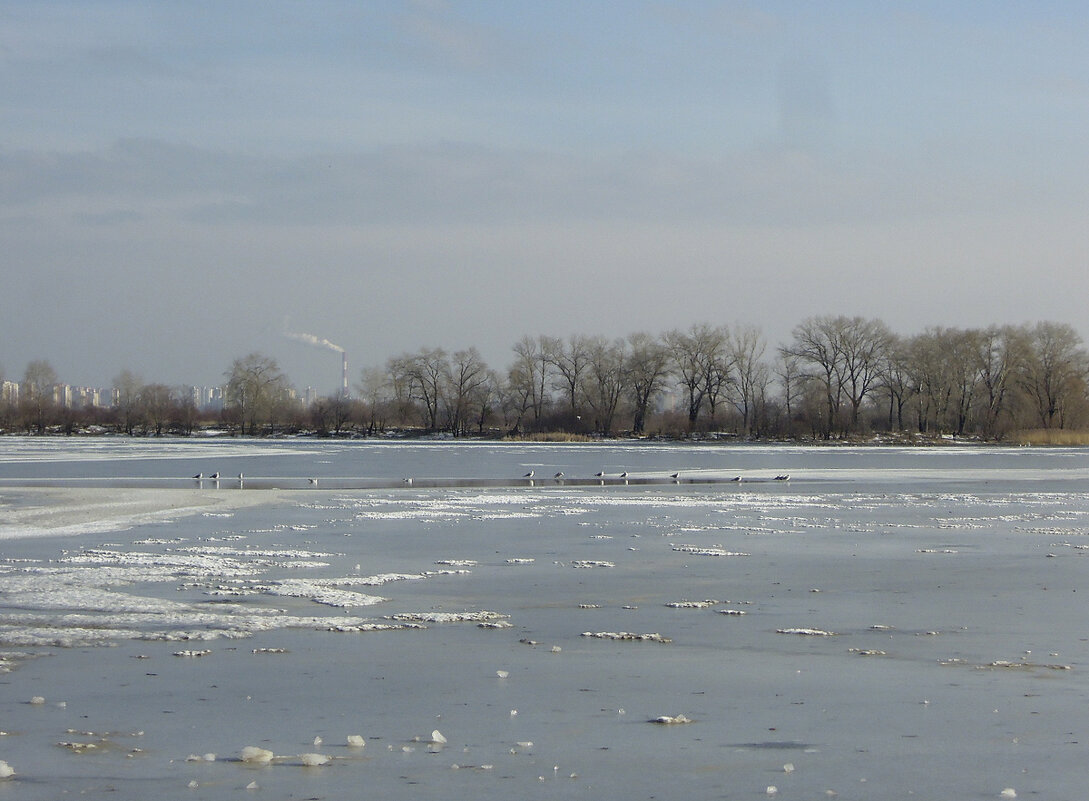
x=344, y=389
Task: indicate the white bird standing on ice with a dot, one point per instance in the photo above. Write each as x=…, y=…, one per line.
x=199, y=476
x=528, y=475
x=214, y=476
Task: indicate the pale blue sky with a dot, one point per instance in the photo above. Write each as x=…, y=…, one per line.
x=180, y=183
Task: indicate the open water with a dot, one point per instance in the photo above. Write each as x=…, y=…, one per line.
x=886, y=623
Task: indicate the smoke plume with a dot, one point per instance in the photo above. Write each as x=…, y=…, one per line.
x=317, y=342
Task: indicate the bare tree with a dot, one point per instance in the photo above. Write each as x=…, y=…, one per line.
x=605, y=381
x=845, y=355
x=467, y=374
x=962, y=355
x=423, y=375
x=1053, y=371
x=128, y=386
x=254, y=386
x=343, y=412
x=529, y=376
x=816, y=350
x=929, y=373
x=791, y=383
x=647, y=370
x=749, y=375
x=762, y=404
x=570, y=360
x=695, y=356
x=485, y=398
x=39, y=383
x=9, y=396
x=374, y=389
x=998, y=357
x=517, y=398
x=157, y=406
x=403, y=404
x=186, y=414
x=863, y=345
x=331, y=414
x=894, y=381
x=718, y=376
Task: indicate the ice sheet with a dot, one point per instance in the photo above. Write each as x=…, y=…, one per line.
x=898, y=641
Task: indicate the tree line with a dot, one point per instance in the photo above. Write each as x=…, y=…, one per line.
x=838, y=377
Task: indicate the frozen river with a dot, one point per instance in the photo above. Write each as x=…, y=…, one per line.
x=888, y=623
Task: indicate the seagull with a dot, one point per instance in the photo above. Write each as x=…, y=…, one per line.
x=214, y=476
x=737, y=479
x=624, y=474
x=240, y=476
x=312, y=480
x=406, y=480
x=528, y=475
x=782, y=477
x=558, y=475
x=199, y=476
x=600, y=474
x=675, y=476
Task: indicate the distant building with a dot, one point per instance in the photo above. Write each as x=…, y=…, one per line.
x=206, y=398
x=82, y=397
x=62, y=396
x=9, y=392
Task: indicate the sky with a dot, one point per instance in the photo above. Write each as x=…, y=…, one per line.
x=182, y=184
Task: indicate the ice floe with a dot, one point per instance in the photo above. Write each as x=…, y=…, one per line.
x=671, y=720
x=255, y=755
x=697, y=550
x=482, y=616
x=626, y=636
x=806, y=632
x=318, y=593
